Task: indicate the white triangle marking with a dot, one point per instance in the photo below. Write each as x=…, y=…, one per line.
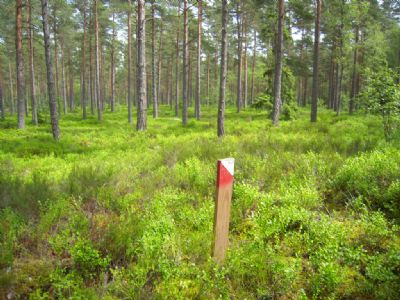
x=229, y=164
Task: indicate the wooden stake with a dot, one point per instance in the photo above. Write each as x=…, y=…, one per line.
x=225, y=171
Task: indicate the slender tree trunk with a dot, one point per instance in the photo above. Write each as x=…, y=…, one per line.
x=305, y=91
x=2, y=106
x=83, y=63
x=278, y=65
x=11, y=89
x=20, y=66
x=49, y=68
x=331, y=90
x=185, y=114
x=31, y=67
x=339, y=97
x=198, y=75
x=97, y=59
x=190, y=80
x=159, y=68
x=71, y=88
x=354, y=75
x=246, y=80
x=314, y=101
x=177, y=64
x=114, y=34
x=129, y=63
x=253, y=67
x=153, y=61
x=141, y=66
x=169, y=75
x=222, y=86
x=64, y=87
x=208, y=79
x=239, y=53
x=57, y=91
x=91, y=72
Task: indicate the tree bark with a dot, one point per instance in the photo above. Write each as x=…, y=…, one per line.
x=208, y=79
x=141, y=67
x=245, y=66
x=97, y=63
x=198, y=75
x=20, y=66
x=159, y=69
x=11, y=89
x=239, y=53
x=314, y=100
x=177, y=64
x=253, y=67
x=83, y=63
x=57, y=91
x=278, y=65
x=2, y=106
x=185, y=115
x=49, y=68
x=153, y=62
x=71, y=87
x=354, y=75
x=64, y=87
x=91, y=72
x=114, y=34
x=129, y=63
x=31, y=66
x=222, y=86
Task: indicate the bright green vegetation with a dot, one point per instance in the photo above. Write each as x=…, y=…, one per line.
x=111, y=213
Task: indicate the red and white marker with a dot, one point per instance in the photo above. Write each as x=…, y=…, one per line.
x=225, y=172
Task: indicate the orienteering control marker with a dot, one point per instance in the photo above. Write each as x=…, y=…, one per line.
x=225, y=171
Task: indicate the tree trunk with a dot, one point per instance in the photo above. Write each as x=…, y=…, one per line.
x=198, y=75
x=222, y=86
x=185, y=115
x=2, y=106
x=159, y=69
x=64, y=87
x=141, y=66
x=11, y=89
x=253, y=67
x=239, y=53
x=71, y=88
x=339, y=96
x=49, y=68
x=305, y=91
x=153, y=61
x=177, y=65
x=83, y=63
x=278, y=65
x=31, y=67
x=208, y=79
x=169, y=75
x=91, y=80
x=314, y=100
x=97, y=63
x=57, y=91
x=245, y=81
x=354, y=75
x=114, y=34
x=331, y=89
x=129, y=63
x=20, y=66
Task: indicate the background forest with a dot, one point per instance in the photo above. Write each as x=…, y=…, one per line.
x=113, y=114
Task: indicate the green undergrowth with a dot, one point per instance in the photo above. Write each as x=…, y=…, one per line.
x=111, y=213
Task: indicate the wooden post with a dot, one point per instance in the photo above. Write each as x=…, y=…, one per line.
x=225, y=170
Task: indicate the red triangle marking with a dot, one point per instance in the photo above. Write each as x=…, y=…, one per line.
x=223, y=176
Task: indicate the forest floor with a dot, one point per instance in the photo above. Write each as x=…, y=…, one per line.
x=112, y=213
